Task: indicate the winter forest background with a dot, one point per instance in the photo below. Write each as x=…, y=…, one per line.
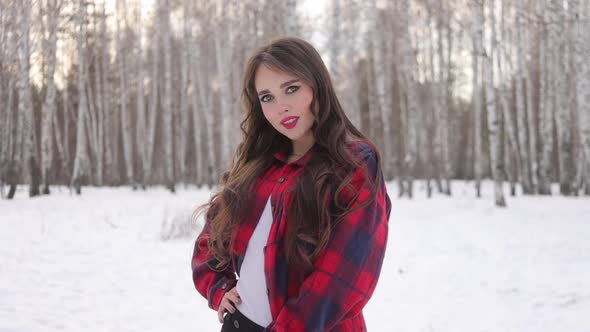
x=133, y=104
x=138, y=93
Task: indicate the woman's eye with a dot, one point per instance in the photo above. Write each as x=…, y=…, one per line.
x=292, y=88
x=264, y=98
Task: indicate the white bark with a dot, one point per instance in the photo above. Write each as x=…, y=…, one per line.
x=412, y=100
x=382, y=85
x=477, y=93
x=167, y=111
x=141, y=130
x=545, y=109
x=8, y=163
x=182, y=132
x=100, y=103
x=81, y=167
x=110, y=141
x=203, y=114
x=562, y=52
x=520, y=102
x=123, y=93
x=581, y=52
x=25, y=106
x=291, y=17
x=493, y=123
x=531, y=120
x=223, y=50
x=443, y=86
x=153, y=107
x=335, y=44
x=351, y=89
x=53, y=10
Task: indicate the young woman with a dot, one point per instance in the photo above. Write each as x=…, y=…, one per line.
x=302, y=215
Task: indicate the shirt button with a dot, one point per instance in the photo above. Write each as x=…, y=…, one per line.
x=224, y=286
x=282, y=179
x=236, y=324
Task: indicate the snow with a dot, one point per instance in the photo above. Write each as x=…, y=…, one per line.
x=97, y=262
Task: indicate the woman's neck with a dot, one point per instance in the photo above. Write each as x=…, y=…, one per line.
x=302, y=145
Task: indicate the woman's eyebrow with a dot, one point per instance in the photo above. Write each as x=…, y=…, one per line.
x=282, y=86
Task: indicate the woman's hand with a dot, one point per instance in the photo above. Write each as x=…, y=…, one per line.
x=229, y=300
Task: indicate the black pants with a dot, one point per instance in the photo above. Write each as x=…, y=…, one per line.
x=239, y=322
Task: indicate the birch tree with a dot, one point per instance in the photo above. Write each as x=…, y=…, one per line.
x=48, y=112
x=520, y=102
x=81, y=166
x=25, y=108
x=477, y=9
x=546, y=90
x=141, y=130
x=561, y=51
x=382, y=83
x=493, y=123
x=581, y=15
x=411, y=100
x=223, y=40
x=164, y=18
x=443, y=98
x=8, y=148
x=182, y=132
x=123, y=87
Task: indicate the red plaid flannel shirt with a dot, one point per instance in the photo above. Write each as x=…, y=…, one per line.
x=331, y=295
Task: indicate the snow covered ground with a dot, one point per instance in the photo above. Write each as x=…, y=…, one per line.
x=97, y=263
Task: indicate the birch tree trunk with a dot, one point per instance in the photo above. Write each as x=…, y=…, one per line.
x=443, y=97
x=520, y=103
x=141, y=130
x=292, y=23
x=493, y=123
x=108, y=139
x=563, y=118
x=382, y=86
x=412, y=101
x=351, y=89
x=335, y=43
x=8, y=163
x=123, y=86
x=153, y=107
x=545, y=108
x=81, y=166
x=25, y=107
x=581, y=15
x=203, y=110
x=7, y=21
x=223, y=51
x=53, y=10
x=476, y=8
x=183, y=131
x=167, y=111
x=531, y=119
x=66, y=125
x=100, y=100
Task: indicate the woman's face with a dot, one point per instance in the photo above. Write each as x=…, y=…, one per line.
x=286, y=102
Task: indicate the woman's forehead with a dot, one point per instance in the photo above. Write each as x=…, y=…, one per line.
x=267, y=78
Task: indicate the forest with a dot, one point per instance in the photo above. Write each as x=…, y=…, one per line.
x=143, y=93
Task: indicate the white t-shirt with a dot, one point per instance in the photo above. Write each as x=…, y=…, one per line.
x=252, y=283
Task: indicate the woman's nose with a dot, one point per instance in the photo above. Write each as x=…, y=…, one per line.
x=283, y=107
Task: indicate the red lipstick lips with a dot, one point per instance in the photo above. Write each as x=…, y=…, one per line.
x=290, y=121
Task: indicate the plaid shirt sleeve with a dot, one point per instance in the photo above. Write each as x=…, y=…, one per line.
x=208, y=280
x=345, y=274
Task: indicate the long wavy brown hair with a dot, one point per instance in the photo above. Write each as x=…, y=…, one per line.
x=312, y=211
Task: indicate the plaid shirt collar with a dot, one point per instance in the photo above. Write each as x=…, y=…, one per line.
x=283, y=156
